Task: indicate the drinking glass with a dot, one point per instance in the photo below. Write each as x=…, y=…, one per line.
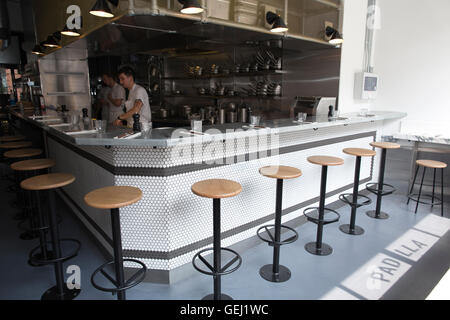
x=146, y=128
x=100, y=125
x=301, y=117
x=254, y=120
x=196, y=125
x=363, y=112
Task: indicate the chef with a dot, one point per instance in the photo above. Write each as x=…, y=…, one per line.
x=137, y=102
x=115, y=97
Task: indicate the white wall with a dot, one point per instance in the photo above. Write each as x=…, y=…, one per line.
x=412, y=57
x=352, y=61
x=412, y=51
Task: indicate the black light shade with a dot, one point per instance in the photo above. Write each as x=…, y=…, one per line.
x=191, y=7
x=37, y=50
x=52, y=42
x=102, y=9
x=70, y=32
x=277, y=22
x=336, y=37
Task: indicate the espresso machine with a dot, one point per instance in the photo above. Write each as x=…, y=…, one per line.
x=314, y=106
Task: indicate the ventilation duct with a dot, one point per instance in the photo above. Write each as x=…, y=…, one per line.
x=5, y=32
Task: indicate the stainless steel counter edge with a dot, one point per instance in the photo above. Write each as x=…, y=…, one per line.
x=173, y=137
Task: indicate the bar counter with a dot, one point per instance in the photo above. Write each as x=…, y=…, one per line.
x=170, y=224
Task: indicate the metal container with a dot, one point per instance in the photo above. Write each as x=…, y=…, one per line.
x=243, y=115
x=232, y=117
x=221, y=115
x=163, y=113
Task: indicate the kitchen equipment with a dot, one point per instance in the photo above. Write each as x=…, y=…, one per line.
x=243, y=115
x=221, y=115
x=232, y=117
x=186, y=111
x=314, y=106
x=163, y=113
x=254, y=120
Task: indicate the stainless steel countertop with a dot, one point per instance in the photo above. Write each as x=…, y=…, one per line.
x=169, y=137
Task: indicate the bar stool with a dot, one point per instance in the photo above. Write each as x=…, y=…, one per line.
x=217, y=189
x=416, y=197
x=11, y=138
x=317, y=215
x=38, y=223
x=379, y=189
x=353, y=203
x=51, y=182
x=275, y=272
x=10, y=146
x=14, y=155
x=114, y=198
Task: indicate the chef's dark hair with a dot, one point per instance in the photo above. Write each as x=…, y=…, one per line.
x=128, y=71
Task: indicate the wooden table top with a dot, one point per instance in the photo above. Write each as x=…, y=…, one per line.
x=23, y=153
x=16, y=145
x=359, y=152
x=326, y=160
x=47, y=181
x=113, y=197
x=216, y=188
x=280, y=172
x=34, y=164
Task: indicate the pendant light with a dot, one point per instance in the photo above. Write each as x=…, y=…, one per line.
x=70, y=32
x=191, y=7
x=37, y=50
x=102, y=9
x=334, y=35
x=52, y=40
x=277, y=22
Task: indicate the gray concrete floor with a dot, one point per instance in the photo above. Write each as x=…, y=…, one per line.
x=342, y=275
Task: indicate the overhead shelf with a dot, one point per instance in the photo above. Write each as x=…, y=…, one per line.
x=230, y=75
x=65, y=93
x=59, y=73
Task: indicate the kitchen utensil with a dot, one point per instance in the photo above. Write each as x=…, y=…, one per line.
x=232, y=117
x=221, y=114
x=163, y=113
x=243, y=115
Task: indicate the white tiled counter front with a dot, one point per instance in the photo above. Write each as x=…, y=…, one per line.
x=170, y=224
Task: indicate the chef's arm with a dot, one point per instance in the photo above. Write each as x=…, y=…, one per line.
x=136, y=109
x=116, y=102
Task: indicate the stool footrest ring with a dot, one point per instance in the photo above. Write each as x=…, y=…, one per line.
x=345, y=198
x=375, y=189
x=134, y=280
x=272, y=241
x=414, y=197
x=74, y=253
x=312, y=214
x=223, y=270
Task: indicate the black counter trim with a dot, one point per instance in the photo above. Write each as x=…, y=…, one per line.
x=159, y=255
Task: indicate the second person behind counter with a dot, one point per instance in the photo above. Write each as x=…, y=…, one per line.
x=137, y=102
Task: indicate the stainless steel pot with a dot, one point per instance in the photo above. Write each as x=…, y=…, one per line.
x=243, y=115
x=221, y=115
x=232, y=117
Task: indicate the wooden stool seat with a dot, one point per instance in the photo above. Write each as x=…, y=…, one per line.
x=12, y=138
x=431, y=164
x=47, y=181
x=23, y=153
x=16, y=145
x=280, y=172
x=113, y=197
x=216, y=188
x=35, y=164
x=385, y=145
x=326, y=160
x=359, y=152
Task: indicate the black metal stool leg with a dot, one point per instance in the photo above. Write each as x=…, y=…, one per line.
x=275, y=272
x=352, y=228
x=434, y=184
x=378, y=214
x=414, y=182
x=319, y=248
x=118, y=255
x=60, y=291
x=217, y=295
x=420, y=189
x=442, y=192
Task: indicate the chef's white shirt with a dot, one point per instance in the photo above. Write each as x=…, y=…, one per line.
x=139, y=93
x=117, y=92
